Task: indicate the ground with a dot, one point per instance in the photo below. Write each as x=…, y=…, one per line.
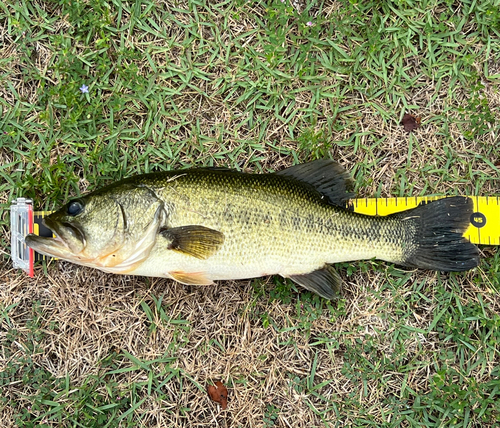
x=93, y=91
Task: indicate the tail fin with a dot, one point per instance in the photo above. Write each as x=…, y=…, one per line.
x=437, y=242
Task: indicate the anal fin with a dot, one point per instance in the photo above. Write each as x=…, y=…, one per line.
x=325, y=282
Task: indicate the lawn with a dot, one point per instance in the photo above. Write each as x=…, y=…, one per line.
x=95, y=90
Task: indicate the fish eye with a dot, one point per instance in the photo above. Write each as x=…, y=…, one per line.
x=75, y=208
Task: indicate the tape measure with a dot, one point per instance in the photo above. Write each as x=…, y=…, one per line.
x=41, y=230
x=484, y=226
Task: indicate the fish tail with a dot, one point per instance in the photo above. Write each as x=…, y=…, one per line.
x=435, y=235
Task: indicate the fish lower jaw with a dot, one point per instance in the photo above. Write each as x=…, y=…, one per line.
x=51, y=247
x=123, y=269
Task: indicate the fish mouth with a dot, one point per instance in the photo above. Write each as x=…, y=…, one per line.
x=68, y=240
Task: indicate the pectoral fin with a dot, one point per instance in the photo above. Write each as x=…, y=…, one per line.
x=190, y=278
x=325, y=282
x=197, y=241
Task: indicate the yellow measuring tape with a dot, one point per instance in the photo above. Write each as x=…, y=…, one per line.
x=484, y=222
x=41, y=230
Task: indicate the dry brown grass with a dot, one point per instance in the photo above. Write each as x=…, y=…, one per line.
x=86, y=316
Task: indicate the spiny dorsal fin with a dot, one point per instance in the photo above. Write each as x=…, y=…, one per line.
x=193, y=240
x=327, y=176
x=325, y=282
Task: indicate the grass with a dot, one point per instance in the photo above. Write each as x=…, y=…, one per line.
x=252, y=86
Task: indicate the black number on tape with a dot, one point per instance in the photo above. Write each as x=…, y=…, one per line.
x=478, y=219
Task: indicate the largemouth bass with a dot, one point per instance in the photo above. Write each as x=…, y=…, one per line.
x=200, y=225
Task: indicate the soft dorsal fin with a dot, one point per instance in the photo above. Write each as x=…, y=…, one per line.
x=327, y=176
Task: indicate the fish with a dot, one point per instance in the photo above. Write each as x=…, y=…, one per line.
x=197, y=226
